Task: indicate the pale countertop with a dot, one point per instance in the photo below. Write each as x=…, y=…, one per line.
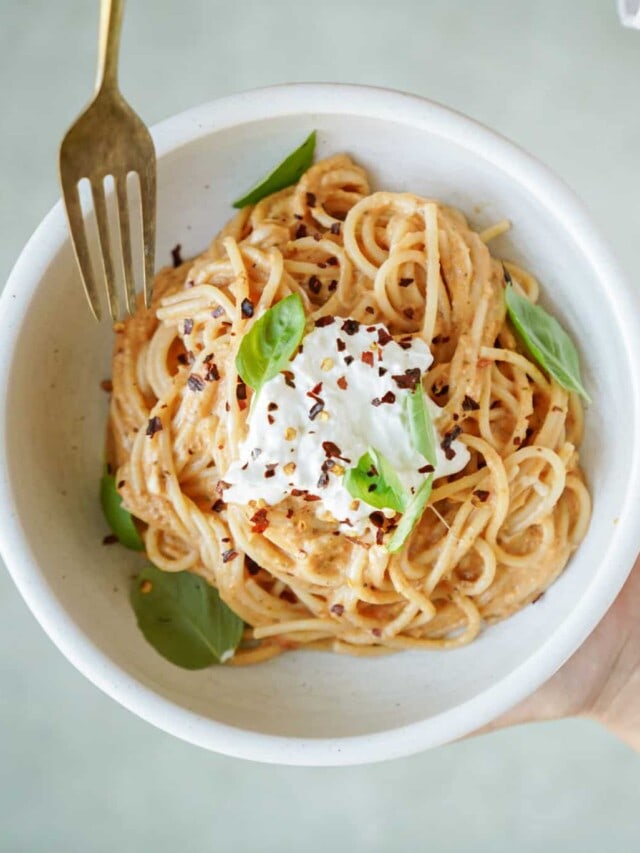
x=78, y=772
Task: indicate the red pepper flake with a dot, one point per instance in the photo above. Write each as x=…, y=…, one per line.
x=337, y=609
x=332, y=286
x=260, y=521
x=288, y=378
x=212, y=374
x=271, y=420
x=311, y=498
x=441, y=391
x=323, y=479
x=107, y=385
x=221, y=485
x=405, y=282
x=241, y=390
x=426, y=469
x=332, y=261
x=340, y=345
x=271, y=470
x=272, y=407
x=469, y=404
x=342, y=383
x=335, y=228
x=110, y=539
x=246, y=306
x=370, y=309
x=176, y=255
x=389, y=397
x=348, y=359
x=298, y=492
x=217, y=312
x=289, y=513
x=377, y=519
x=376, y=632
x=481, y=494
x=311, y=199
x=301, y=231
x=188, y=326
x=315, y=410
x=448, y=440
x=219, y=505
x=409, y=379
x=317, y=237
x=229, y=554
x=251, y=566
x=289, y=595
x=121, y=484
x=327, y=320
x=408, y=313
x=195, y=382
x=315, y=285
x=350, y=326
x=517, y=441
x=379, y=536
x=384, y=337
x=367, y=358
x=154, y=426
x=382, y=371
x=406, y=342
x=315, y=390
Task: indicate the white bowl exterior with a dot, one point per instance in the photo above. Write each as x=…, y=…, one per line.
x=306, y=708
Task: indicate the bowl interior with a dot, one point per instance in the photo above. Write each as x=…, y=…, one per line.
x=56, y=413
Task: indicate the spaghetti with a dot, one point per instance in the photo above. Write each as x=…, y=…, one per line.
x=492, y=538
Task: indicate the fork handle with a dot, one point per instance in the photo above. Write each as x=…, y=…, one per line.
x=109, y=43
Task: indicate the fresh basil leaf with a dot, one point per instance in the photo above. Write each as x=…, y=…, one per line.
x=420, y=425
x=287, y=173
x=118, y=518
x=374, y=481
x=411, y=516
x=546, y=340
x=184, y=618
x=267, y=347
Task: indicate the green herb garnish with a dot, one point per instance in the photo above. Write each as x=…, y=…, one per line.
x=411, y=516
x=374, y=481
x=184, y=618
x=420, y=424
x=287, y=173
x=267, y=347
x=119, y=519
x=546, y=340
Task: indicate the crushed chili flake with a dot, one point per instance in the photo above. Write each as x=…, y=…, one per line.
x=376, y=632
x=332, y=261
x=221, y=485
x=271, y=470
x=337, y=609
x=517, y=441
x=317, y=237
x=212, y=374
x=340, y=345
x=405, y=282
x=315, y=285
x=315, y=410
x=107, y=385
x=218, y=506
x=448, y=440
x=188, y=326
x=350, y=326
x=289, y=595
x=370, y=309
x=195, y=382
x=408, y=313
x=246, y=306
x=311, y=199
x=469, y=404
x=311, y=498
x=382, y=371
x=271, y=420
x=229, y=554
x=348, y=359
x=426, y=469
x=289, y=513
x=327, y=320
x=288, y=378
x=379, y=536
x=121, y=484
x=384, y=337
x=323, y=479
x=259, y=521
x=301, y=231
x=176, y=255
x=217, y=312
x=332, y=449
x=377, y=519
x=110, y=539
x=298, y=492
x=342, y=383
x=154, y=426
x=389, y=397
x=481, y=494
x=317, y=388
x=409, y=379
x=333, y=284
x=367, y=358
x=272, y=407
x=335, y=228
x=241, y=390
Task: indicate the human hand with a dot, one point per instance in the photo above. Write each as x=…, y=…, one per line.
x=601, y=680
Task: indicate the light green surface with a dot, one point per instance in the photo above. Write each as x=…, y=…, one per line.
x=79, y=773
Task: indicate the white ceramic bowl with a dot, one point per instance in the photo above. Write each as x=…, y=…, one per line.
x=306, y=708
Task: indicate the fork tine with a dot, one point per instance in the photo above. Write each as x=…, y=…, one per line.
x=125, y=240
x=75, y=219
x=147, y=179
x=100, y=207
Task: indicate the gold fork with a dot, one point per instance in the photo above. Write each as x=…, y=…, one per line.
x=109, y=139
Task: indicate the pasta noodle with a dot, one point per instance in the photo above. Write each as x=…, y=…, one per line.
x=492, y=538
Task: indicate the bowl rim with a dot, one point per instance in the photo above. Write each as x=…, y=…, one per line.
x=415, y=111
